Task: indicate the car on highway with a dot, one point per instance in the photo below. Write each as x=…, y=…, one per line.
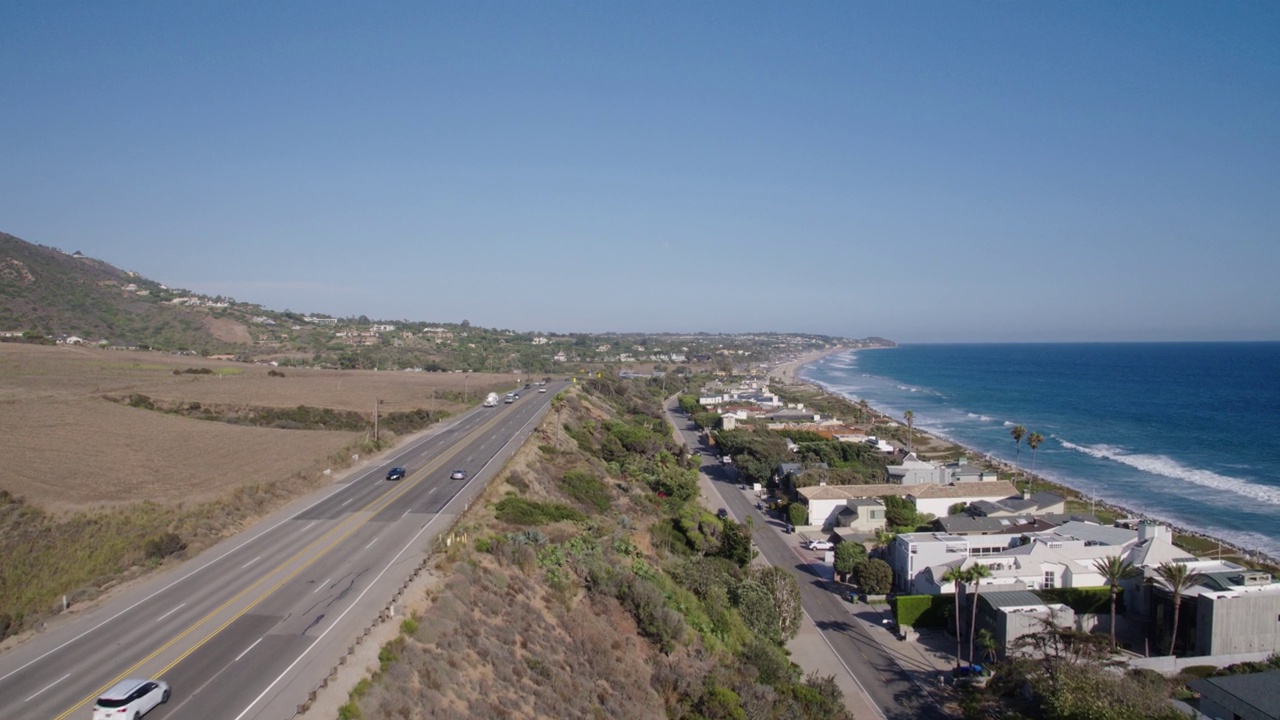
x=820, y=545
x=516, y=396
x=130, y=699
x=722, y=513
x=458, y=475
x=542, y=389
x=395, y=473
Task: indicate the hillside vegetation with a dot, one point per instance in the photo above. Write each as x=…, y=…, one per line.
x=590, y=584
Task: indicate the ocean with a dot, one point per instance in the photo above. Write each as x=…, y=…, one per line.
x=1182, y=432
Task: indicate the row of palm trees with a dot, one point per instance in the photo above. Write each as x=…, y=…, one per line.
x=960, y=577
x=1018, y=432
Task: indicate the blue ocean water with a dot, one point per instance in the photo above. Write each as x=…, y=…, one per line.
x=1183, y=432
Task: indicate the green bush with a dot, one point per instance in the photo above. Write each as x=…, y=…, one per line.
x=519, y=511
x=921, y=610
x=1083, y=600
x=875, y=576
x=587, y=489
x=798, y=514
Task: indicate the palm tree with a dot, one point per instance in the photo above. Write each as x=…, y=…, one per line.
x=1115, y=570
x=911, y=417
x=884, y=538
x=1017, y=433
x=990, y=647
x=1179, y=578
x=1033, y=442
x=975, y=575
x=957, y=576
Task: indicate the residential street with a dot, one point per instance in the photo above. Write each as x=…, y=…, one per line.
x=835, y=639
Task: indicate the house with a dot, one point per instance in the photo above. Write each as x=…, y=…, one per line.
x=1251, y=696
x=962, y=471
x=862, y=516
x=1041, y=503
x=1012, y=614
x=964, y=524
x=914, y=471
x=937, y=499
x=1060, y=557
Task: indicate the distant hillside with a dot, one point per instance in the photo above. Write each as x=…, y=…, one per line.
x=52, y=292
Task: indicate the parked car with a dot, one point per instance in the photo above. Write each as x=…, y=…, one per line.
x=130, y=699
x=458, y=475
x=820, y=545
x=395, y=473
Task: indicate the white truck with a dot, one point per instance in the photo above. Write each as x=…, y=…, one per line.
x=491, y=400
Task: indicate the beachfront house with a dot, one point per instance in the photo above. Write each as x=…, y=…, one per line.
x=914, y=471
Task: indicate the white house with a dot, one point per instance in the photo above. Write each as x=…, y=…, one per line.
x=937, y=499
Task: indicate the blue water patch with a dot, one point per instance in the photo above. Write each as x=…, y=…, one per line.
x=1178, y=431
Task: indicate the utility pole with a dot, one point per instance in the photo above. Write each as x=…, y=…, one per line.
x=376, y=402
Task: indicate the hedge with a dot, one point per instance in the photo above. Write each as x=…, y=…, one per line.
x=922, y=610
x=1096, y=600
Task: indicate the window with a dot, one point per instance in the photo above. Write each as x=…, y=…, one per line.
x=1048, y=580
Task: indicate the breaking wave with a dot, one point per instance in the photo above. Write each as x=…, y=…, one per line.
x=1170, y=468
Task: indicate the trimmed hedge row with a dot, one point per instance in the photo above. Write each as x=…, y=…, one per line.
x=922, y=610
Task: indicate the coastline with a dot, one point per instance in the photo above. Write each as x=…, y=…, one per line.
x=1018, y=474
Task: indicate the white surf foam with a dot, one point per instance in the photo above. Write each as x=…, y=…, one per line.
x=1170, y=468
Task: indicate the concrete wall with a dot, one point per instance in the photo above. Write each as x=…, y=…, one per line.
x=1244, y=622
x=1170, y=666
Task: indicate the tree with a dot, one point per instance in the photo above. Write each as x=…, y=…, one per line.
x=975, y=575
x=798, y=514
x=1179, y=578
x=1017, y=433
x=957, y=576
x=689, y=404
x=875, y=577
x=957, y=508
x=884, y=538
x=848, y=555
x=706, y=420
x=990, y=646
x=900, y=513
x=1115, y=570
x=1033, y=442
x=769, y=602
x=911, y=436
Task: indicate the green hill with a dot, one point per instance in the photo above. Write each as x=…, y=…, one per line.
x=51, y=292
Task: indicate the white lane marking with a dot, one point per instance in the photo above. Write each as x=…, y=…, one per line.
x=170, y=613
x=250, y=562
x=359, y=597
x=371, y=542
x=347, y=502
x=308, y=527
x=246, y=650
x=321, y=585
x=46, y=687
x=406, y=513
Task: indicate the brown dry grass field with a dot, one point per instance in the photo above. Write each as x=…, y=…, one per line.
x=69, y=448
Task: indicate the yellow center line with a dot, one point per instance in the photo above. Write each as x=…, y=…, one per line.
x=389, y=497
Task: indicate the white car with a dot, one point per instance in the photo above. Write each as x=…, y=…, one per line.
x=542, y=389
x=820, y=545
x=130, y=699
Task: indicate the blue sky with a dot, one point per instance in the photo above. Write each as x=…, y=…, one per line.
x=927, y=172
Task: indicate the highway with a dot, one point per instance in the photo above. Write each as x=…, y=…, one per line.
x=251, y=626
x=896, y=694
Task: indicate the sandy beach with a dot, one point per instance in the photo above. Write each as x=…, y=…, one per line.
x=785, y=372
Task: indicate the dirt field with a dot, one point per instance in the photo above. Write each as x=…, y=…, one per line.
x=71, y=449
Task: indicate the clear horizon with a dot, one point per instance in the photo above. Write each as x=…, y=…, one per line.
x=932, y=173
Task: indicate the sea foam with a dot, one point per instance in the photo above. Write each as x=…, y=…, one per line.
x=1170, y=468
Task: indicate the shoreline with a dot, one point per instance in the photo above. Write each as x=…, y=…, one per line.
x=1017, y=474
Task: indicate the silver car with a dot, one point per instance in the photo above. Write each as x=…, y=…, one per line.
x=130, y=699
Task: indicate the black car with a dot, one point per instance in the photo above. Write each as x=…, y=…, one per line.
x=395, y=473
x=722, y=513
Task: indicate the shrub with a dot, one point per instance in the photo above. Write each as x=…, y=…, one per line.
x=162, y=546
x=519, y=511
x=1082, y=600
x=875, y=576
x=798, y=514
x=587, y=489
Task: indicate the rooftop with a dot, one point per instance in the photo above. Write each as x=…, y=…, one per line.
x=1256, y=693
x=996, y=488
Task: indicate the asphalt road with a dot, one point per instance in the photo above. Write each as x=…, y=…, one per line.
x=248, y=628
x=887, y=684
